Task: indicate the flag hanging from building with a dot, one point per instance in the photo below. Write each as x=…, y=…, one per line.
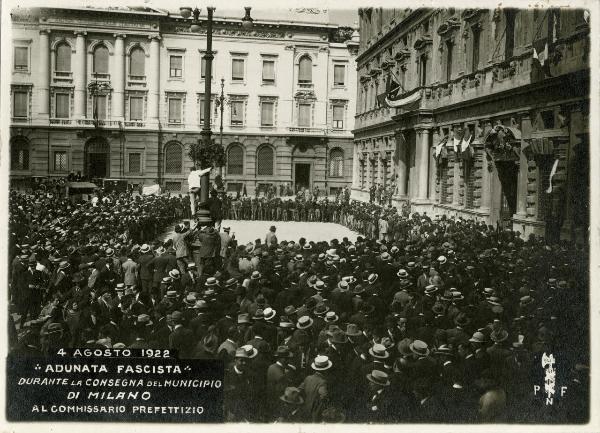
x=400, y=139
x=391, y=92
x=466, y=150
x=552, y=173
x=540, y=57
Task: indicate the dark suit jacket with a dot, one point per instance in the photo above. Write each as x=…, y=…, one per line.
x=182, y=339
x=210, y=244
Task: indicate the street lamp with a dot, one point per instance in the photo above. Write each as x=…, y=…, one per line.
x=202, y=213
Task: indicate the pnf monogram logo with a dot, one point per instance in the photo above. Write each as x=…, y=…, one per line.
x=548, y=363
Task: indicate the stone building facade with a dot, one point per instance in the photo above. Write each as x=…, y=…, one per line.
x=481, y=118
x=117, y=93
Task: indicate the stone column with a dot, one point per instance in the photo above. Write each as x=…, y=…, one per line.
x=401, y=169
x=523, y=168
x=44, y=71
x=422, y=162
x=118, y=81
x=80, y=76
x=154, y=81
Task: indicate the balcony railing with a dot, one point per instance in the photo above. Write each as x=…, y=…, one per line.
x=100, y=77
x=94, y=122
x=62, y=77
x=307, y=86
x=134, y=124
x=21, y=119
x=305, y=130
x=61, y=122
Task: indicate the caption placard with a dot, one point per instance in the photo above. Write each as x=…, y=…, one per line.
x=143, y=385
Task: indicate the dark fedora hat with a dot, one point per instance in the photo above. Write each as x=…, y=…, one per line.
x=379, y=378
x=292, y=395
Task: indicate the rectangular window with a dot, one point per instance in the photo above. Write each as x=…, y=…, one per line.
x=201, y=102
x=237, y=70
x=449, y=54
x=338, y=116
x=268, y=72
x=175, y=110
x=201, y=110
x=20, y=100
x=21, y=59
x=135, y=162
x=475, y=64
x=339, y=75
x=237, y=113
x=203, y=69
x=100, y=107
x=176, y=66
x=423, y=70
x=136, y=108
x=266, y=113
x=60, y=160
x=304, y=115
x=62, y=106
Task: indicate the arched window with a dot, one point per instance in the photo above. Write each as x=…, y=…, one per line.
x=100, y=60
x=173, y=158
x=336, y=162
x=63, y=58
x=137, y=62
x=19, y=154
x=264, y=160
x=305, y=72
x=235, y=159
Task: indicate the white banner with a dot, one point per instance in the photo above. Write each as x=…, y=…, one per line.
x=151, y=190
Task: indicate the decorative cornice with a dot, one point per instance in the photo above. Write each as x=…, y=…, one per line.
x=448, y=27
x=402, y=55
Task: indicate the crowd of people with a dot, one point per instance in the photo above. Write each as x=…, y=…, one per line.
x=419, y=320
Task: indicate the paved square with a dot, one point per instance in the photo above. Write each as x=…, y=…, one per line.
x=249, y=231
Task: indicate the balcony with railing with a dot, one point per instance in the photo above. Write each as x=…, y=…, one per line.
x=21, y=120
x=134, y=124
x=305, y=130
x=61, y=121
x=62, y=77
x=136, y=81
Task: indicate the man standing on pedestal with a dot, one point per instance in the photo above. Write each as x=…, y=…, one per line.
x=194, y=185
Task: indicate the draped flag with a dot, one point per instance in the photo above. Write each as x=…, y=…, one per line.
x=552, y=173
x=399, y=143
x=540, y=56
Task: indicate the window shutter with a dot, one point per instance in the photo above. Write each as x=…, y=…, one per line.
x=101, y=107
x=237, y=112
x=304, y=115
x=237, y=69
x=235, y=160
x=338, y=75
x=336, y=163
x=21, y=60
x=137, y=62
x=62, y=106
x=101, y=60
x=305, y=72
x=135, y=163
x=266, y=116
x=268, y=70
x=20, y=104
x=136, y=108
x=265, y=161
x=63, y=58
x=173, y=155
x=175, y=110
x=338, y=112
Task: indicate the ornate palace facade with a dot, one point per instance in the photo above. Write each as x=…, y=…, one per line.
x=489, y=100
x=117, y=93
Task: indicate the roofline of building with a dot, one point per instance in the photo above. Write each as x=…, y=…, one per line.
x=176, y=17
x=394, y=32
